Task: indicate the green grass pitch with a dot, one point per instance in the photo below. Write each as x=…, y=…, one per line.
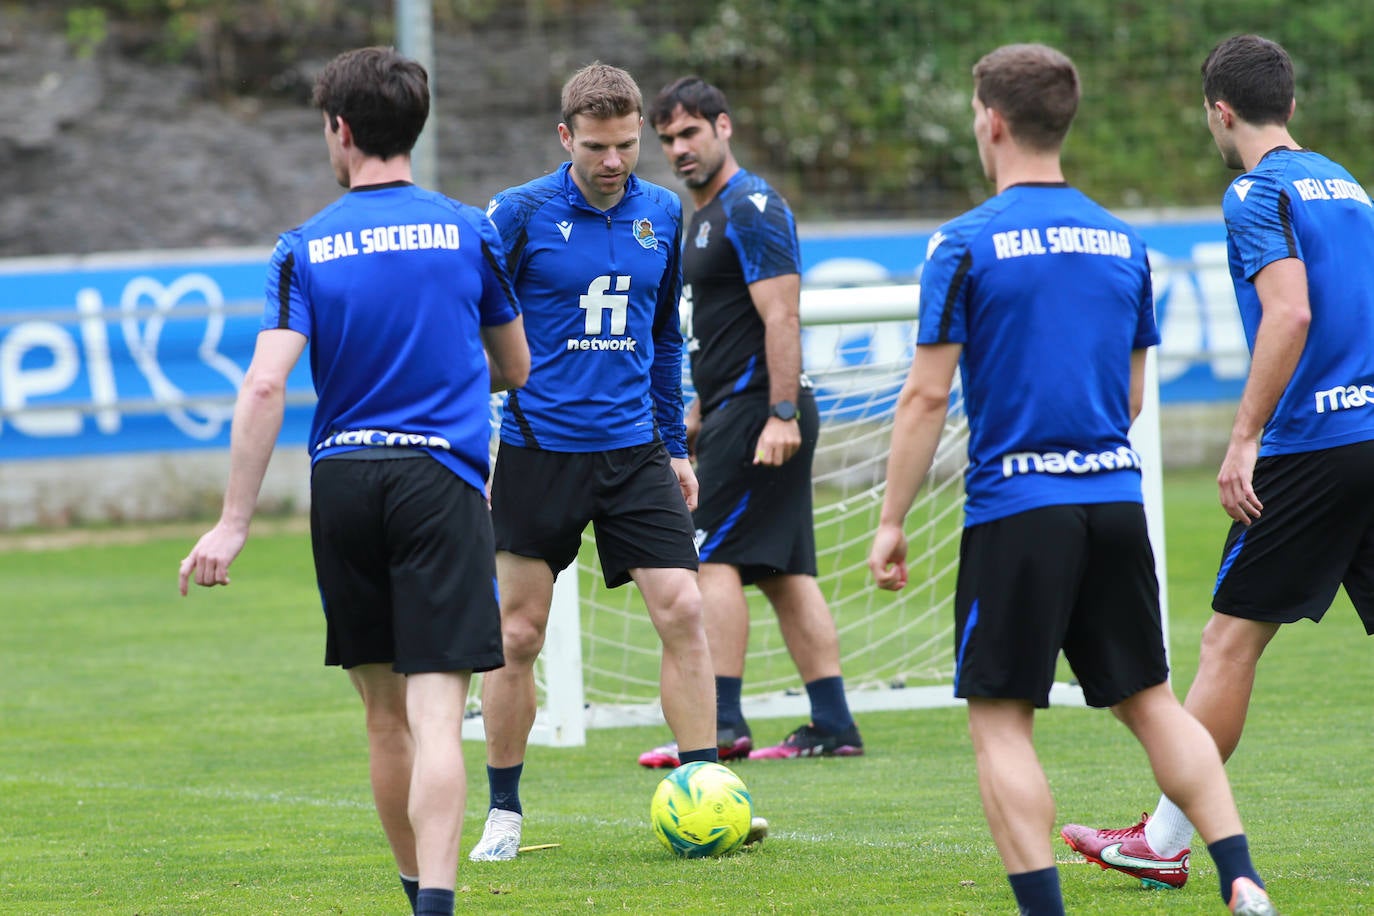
x=161, y=755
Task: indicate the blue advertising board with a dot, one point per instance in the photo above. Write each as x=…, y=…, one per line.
x=129, y=353
x=145, y=351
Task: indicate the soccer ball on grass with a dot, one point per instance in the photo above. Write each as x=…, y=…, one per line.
x=701, y=809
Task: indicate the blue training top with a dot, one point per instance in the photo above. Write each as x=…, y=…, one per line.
x=746, y=233
x=391, y=284
x=1299, y=204
x=600, y=292
x=1049, y=294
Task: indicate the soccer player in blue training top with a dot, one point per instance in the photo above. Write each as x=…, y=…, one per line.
x=397, y=290
x=597, y=434
x=1295, y=478
x=1041, y=299
x=754, y=425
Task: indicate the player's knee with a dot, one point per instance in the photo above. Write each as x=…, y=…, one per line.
x=680, y=616
x=386, y=717
x=1145, y=707
x=521, y=639
x=1233, y=641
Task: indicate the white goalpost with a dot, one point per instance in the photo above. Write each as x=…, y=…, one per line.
x=599, y=666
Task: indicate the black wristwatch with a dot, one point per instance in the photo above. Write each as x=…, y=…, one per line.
x=784, y=410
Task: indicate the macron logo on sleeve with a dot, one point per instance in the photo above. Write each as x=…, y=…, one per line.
x=1242, y=187
x=936, y=241
x=759, y=200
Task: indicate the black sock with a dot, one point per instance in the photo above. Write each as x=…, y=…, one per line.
x=829, y=707
x=504, y=786
x=708, y=754
x=433, y=901
x=1037, y=892
x=728, y=711
x=412, y=889
x=1232, y=858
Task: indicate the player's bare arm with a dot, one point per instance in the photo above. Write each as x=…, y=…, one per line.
x=778, y=302
x=257, y=421
x=1138, y=358
x=1279, y=342
x=918, y=423
x=508, y=354
x=686, y=480
x=692, y=421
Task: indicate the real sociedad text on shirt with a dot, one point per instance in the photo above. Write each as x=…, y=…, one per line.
x=1330, y=189
x=1017, y=243
x=405, y=237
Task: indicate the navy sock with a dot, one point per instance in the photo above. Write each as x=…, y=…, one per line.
x=728, y=711
x=708, y=754
x=412, y=889
x=411, y=886
x=1037, y=892
x=829, y=707
x=433, y=901
x=504, y=786
x=1232, y=858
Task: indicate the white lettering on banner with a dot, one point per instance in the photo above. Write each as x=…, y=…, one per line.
x=42, y=358
x=1199, y=322
x=20, y=384
x=143, y=346
x=99, y=367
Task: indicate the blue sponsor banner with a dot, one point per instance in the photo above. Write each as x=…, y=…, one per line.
x=130, y=353
x=145, y=351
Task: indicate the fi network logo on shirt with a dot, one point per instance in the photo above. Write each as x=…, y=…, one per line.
x=607, y=297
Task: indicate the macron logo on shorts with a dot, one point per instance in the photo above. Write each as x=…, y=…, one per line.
x=1070, y=462
x=381, y=438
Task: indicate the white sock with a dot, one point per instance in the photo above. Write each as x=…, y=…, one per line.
x=1168, y=831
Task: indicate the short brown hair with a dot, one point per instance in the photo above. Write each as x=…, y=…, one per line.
x=1034, y=87
x=382, y=95
x=1254, y=76
x=600, y=91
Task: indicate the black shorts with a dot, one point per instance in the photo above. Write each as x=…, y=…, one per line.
x=541, y=502
x=753, y=516
x=1080, y=578
x=1315, y=533
x=406, y=566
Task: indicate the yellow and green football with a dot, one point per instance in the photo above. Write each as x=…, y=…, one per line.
x=701, y=809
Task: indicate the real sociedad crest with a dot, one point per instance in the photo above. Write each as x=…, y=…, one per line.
x=704, y=234
x=644, y=234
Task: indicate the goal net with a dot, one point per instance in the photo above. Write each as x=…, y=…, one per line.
x=600, y=662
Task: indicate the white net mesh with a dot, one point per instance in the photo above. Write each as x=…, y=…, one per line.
x=889, y=643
